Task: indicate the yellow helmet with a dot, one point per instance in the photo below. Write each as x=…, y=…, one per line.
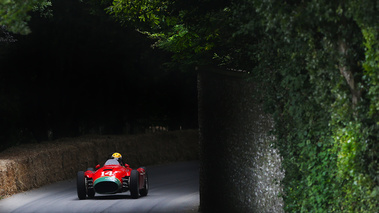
x=116, y=155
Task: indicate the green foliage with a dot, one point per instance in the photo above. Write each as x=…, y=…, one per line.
x=371, y=66
x=153, y=13
x=356, y=184
x=15, y=14
x=184, y=30
x=326, y=149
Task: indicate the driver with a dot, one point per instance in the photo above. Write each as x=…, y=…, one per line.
x=117, y=156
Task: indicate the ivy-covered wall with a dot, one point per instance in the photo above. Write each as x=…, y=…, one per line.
x=240, y=171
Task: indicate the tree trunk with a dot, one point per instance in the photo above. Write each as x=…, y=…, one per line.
x=347, y=72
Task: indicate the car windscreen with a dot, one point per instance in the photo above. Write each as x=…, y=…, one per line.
x=111, y=162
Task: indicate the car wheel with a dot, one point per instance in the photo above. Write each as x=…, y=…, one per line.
x=91, y=169
x=134, y=184
x=145, y=188
x=81, y=185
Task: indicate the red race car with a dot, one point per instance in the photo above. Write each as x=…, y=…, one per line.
x=112, y=178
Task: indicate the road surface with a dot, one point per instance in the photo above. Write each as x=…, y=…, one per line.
x=173, y=188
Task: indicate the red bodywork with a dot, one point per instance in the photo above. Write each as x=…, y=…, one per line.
x=122, y=173
x=112, y=178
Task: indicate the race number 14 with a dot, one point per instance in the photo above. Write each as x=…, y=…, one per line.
x=107, y=173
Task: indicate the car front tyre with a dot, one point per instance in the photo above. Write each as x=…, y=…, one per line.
x=81, y=185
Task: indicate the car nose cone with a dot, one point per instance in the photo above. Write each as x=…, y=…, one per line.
x=107, y=185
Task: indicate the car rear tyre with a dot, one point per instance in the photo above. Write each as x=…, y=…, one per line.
x=81, y=185
x=134, y=184
x=145, y=189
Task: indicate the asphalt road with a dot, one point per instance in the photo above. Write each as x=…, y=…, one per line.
x=173, y=188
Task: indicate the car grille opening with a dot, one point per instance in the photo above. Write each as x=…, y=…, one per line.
x=106, y=187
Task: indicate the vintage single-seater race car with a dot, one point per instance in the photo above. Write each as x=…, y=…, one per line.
x=112, y=178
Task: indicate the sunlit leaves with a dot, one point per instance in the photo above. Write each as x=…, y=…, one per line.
x=177, y=27
x=148, y=13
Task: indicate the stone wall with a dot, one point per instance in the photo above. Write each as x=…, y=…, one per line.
x=29, y=166
x=240, y=171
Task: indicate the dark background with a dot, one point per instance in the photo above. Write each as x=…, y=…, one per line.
x=80, y=72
